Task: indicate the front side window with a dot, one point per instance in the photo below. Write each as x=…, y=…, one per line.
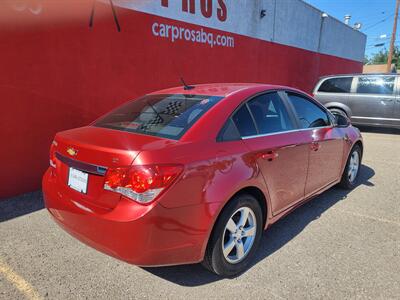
x=336, y=85
x=168, y=116
x=310, y=115
x=375, y=85
x=270, y=114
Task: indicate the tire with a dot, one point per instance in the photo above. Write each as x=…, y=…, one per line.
x=236, y=258
x=349, y=181
x=338, y=111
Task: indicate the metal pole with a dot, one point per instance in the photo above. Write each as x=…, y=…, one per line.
x=390, y=56
x=323, y=17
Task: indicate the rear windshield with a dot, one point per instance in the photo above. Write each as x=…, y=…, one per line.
x=168, y=116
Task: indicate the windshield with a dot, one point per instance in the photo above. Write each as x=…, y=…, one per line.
x=168, y=116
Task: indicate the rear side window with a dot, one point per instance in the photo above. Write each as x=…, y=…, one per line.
x=375, y=85
x=270, y=114
x=244, y=122
x=229, y=132
x=309, y=114
x=336, y=85
x=169, y=116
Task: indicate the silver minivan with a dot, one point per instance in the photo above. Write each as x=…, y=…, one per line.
x=367, y=99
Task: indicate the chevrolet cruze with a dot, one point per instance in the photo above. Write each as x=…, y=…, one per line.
x=196, y=173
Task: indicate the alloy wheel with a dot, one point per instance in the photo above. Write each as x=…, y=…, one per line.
x=354, y=165
x=239, y=235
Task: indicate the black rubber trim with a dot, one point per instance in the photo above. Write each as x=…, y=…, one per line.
x=85, y=167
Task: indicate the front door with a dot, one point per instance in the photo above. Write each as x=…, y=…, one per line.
x=326, y=143
x=326, y=154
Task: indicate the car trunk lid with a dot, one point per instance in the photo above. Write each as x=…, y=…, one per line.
x=93, y=150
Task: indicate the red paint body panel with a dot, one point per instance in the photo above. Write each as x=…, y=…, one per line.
x=326, y=160
x=175, y=228
x=142, y=235
x=289, y=169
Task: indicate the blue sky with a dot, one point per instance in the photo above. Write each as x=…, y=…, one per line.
x=376, y=17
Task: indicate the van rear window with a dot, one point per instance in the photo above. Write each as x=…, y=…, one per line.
x=169, y=116
x=336, y=85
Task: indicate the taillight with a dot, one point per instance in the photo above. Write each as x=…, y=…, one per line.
x=141, y=183
x=53, y=154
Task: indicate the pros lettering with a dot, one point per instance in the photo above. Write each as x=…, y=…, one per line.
x=207, y=8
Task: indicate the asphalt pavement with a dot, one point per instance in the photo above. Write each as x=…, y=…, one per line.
x=339, y=245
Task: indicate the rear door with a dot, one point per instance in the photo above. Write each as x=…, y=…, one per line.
x=373, y=101
x=281, y=151
x=326, y=145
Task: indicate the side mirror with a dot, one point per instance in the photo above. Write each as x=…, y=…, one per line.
x=342, y=121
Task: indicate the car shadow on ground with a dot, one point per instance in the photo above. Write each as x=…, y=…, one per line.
x=20, y=205
x=273, y=239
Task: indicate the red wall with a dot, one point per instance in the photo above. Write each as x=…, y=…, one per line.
x=57, y=73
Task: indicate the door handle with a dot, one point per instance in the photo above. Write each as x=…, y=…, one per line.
x=290, y=146
x=270, y=155
x=315, y=146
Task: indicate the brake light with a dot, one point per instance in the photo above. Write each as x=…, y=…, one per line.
x=53, y=154
x=141, y=183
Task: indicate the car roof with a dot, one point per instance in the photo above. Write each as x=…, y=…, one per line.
x=220, y=89
x=357, y=74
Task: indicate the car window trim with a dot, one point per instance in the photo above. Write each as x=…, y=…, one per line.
x=286, y=131
x=252, y=116
x=291, y=109
x=396, y=86
x=354, y=84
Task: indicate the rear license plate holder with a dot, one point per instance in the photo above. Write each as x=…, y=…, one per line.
x=78, y=180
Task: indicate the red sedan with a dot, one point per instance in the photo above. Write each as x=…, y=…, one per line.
x=196, y=173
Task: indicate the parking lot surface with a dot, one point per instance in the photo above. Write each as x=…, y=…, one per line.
x=339, y=245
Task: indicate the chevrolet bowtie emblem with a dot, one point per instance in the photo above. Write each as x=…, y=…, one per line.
x=71, y=151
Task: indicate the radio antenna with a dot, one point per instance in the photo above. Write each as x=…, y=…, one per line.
x=185, y=86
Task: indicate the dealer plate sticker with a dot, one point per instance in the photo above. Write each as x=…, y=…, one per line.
x=78, y=180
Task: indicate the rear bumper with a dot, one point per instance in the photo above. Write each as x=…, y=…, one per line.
x=142, y=235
